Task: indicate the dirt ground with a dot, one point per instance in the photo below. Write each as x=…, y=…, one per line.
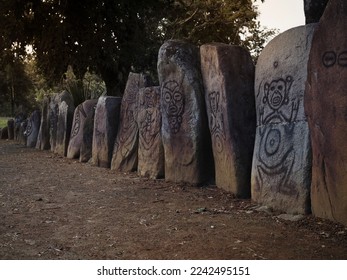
x=55, y=208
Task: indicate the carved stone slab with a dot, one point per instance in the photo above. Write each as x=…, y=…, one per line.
x=186, y=139
x=326, y=108
x=281, y=170
x=82, y=112
x=126, y=145
x=32, y=129
x=151, y=151
x=228, y=75
x=10, y=127
x=56, y=100
x=43, y=142
x=22, y=139
x=106, y=121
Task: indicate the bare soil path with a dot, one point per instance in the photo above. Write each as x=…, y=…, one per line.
x=56, y=208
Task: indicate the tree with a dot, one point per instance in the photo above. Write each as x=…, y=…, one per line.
x=113, y=37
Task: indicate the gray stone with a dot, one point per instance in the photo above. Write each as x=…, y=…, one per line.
x=106, y=121
x=228, y=75
x=10, y=127
x=186, y=138
x=326, y=109
x=21, y=117
x=64, y=126
x=125, y=150
x=4, y=133
x=43, y=142
x=32, y=129
x=151, y=152
x=64, y=133
x=281, y=170
x=82, y=112
x=22, y=139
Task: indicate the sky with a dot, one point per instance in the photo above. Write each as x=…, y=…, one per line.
x=281, y=14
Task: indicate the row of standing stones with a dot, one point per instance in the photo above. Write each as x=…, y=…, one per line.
x=275, y=132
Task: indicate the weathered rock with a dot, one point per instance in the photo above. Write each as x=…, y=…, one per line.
x=43, y=142
x=151, y=152
x=281, y=170
x=10, y=127
x=186, y=138
x=82, y=112
x=228, y=75
x=32, y=129
x=87, y=139
x=21, y=117
x=64, y=125
x=326, y=109
x=56, y=100
x=126, y=145
x=4, y=133
x=314, y=10
x=106, y=121
x=22, y=139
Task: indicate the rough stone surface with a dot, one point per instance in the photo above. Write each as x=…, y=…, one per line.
x=64, y=125
x=106, y=121
x=314, y=10
x=126, y=145
x=32, y=129
x=228, y=75
x=87, y=139
x=281, y=170
x=43, y=142
x=186, y=138
x=56, y=100
x=326, y=109
x=22, y=139
x=151, y=152
x=82, y=112
x=4, y=133
x=21, y=117
x=10, y=127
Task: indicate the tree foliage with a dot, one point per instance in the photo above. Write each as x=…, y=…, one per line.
x=113, y=37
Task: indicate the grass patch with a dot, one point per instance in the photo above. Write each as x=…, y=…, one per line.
x=3, y=121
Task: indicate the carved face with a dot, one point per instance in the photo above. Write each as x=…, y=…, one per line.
x=276, y=93
x=173, y=103
x=150, y=98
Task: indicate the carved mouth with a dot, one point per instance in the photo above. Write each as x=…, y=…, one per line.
x=173, y=110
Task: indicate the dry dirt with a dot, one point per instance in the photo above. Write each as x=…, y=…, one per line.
x=55, y=208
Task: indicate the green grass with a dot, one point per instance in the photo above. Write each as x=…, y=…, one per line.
x=3, y=121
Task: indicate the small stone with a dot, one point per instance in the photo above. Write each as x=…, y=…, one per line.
x=289, y=217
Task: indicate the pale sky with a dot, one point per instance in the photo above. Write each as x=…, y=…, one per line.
x=281, y=14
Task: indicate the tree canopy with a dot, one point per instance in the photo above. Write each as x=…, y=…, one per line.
x=113, y=37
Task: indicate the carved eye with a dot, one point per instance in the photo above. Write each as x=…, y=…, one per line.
x=272, y=88
x=280, y=87
x=177, y=96
x=167, y=97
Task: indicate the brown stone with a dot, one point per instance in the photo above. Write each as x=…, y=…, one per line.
x=106, y=121
x=4, y=133
x=314, y=10
x=82, y=112
x=151, y=151
x=228, y=75
x=22, y=139
x=326, y=109
x=126, y=145
x=186, y=138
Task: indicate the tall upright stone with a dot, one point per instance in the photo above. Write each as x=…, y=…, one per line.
x=21, y=117
x=326, y=109
x=151, y=152
x=4, y=133
x=106, y=122
x=10, y=127
x=228, y=75
x=186, y=138
x=32, y=129
x=82, y=112
x=126, y=145
x=43, y=142
x=62, y=136
x=281, y=170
